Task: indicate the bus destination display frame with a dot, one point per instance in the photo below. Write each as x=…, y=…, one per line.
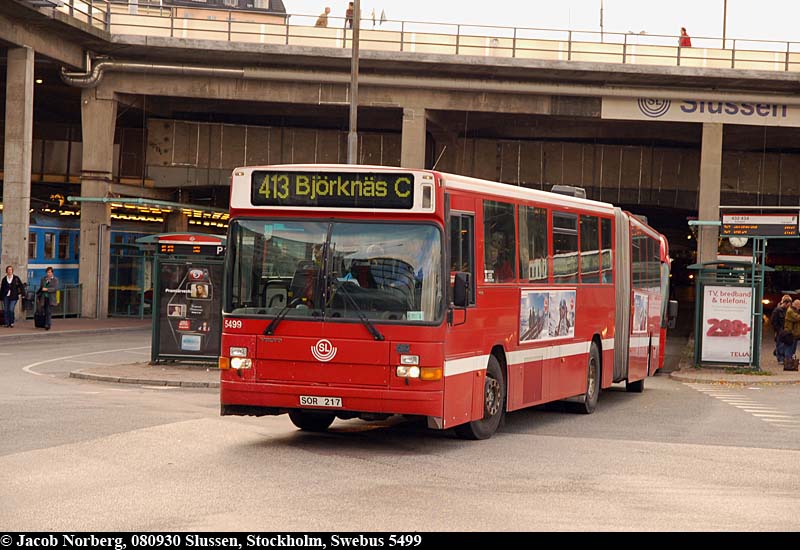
x=358, y=190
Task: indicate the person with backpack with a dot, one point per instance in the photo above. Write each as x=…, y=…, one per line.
x=11, y=288
x=47, y=297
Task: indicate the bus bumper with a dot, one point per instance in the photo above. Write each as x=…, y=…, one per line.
x=263, y=398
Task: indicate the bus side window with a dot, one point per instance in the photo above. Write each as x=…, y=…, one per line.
x=500, y=249
x=565, y=247
x=590, y=249
x=533, y=251
x=462, y=245
x=606, y=251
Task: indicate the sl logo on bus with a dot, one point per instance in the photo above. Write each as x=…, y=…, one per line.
x=323, y=351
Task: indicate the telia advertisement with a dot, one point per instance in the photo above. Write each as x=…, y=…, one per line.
x=727, y=314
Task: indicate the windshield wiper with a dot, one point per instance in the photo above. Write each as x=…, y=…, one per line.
x=277, y=320
x=367, y=323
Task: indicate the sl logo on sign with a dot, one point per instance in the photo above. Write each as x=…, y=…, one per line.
x=654, y=108
x=323, y=351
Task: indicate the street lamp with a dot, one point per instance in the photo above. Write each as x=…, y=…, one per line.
x=601, y=20
x=724, y=20
x=352, y=135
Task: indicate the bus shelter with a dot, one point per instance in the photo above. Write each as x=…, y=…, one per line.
x=728, y=312
x=187, y=293
x=730, y=292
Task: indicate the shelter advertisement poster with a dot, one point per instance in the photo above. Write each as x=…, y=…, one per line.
x=546, y=314
x=190, y=309
x=726, y=324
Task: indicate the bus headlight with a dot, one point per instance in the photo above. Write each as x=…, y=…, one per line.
x=238, y=352
x=409, y=359
x=239, y=363
x=407, y=372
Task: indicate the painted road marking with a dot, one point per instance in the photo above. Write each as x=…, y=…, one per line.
x=29, y=368
x=764, y=413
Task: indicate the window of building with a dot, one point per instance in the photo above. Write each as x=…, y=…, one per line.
x=533, y=244
x=49, y=245
x=565, y=247
x=606, y=251
x=462, y=245
x=63, y=246
x=32, y=242
x=499, y=256
x=77, y=246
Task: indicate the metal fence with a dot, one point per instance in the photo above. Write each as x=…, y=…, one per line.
x=262, y=27
x=69, y=302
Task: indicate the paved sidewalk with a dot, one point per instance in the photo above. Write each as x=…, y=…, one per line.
x=773, y=372
x=185, y=376
x=24, y=330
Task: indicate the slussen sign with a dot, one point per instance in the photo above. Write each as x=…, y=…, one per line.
x=333, y=189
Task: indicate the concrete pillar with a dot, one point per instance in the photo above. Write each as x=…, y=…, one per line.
x=98, y=122
x=177, y=222
x=710, y=179
x=17, y=161
x=412, y=148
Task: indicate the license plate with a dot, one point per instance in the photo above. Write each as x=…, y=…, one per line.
x=318, y=401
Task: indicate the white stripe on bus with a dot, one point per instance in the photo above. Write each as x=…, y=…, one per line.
x=519, y=357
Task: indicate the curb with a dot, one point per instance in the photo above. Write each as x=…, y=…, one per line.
x=149, y=382
x=51, y=334
x=729, y=379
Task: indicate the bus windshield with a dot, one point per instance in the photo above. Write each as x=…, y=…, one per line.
x=330, y=270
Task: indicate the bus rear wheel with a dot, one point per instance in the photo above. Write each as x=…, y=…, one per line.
x=589, y=403
x=311, y=421
x=494, y=405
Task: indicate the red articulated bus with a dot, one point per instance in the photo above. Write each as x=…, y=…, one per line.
x=368, y=291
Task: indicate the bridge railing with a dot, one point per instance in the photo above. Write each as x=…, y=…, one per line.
x=149, y=18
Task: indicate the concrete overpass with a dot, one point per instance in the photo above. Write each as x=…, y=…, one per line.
x=523, y=110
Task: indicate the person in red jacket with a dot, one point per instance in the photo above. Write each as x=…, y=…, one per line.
x=685, y=40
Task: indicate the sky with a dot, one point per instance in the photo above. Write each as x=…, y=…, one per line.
x=747, y=19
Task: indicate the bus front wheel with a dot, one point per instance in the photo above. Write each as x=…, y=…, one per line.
x=494, y=405
x=311, y=421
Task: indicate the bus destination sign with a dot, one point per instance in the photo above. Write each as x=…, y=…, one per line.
x=759, y=225
x=384, y=190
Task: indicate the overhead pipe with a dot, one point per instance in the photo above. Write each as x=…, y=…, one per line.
x=92, y=78
x=94, y=75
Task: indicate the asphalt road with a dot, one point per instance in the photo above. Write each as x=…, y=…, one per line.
x=82, y=455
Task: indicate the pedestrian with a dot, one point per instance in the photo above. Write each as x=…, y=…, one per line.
x=11, y=289
x=792, y=326
x=348, y=15
x=322, y=20
x=777, y=320
x=48, y=287
x=685, y=41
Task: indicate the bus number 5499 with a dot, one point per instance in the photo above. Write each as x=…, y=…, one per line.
x=405, y=540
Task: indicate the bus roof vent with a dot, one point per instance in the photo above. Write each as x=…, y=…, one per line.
x=570, y=191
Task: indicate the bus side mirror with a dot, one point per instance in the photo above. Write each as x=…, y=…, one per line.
x=461, y=290
x=672, y=313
